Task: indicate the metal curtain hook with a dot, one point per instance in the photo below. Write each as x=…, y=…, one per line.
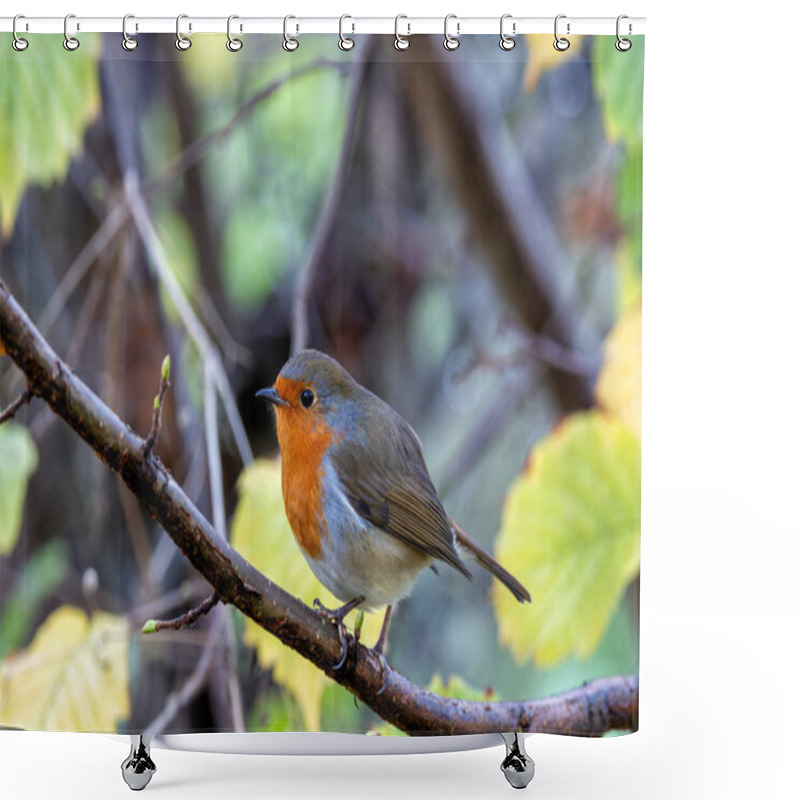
x=233, y=44
x=128, y=43
x=623, y=45
x=451, y=42
x=507, y=42
x=181, y=42
x=401, y=42
x=18, y=43
x=290, y=44
x=345, y=42
x=561, y=44
x=70, y=42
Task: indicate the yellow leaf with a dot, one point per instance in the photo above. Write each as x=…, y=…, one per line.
x=543, y=56
x=619, y=386
x=72, y=677
x=570, y=533
x=261, y=533
x=46, y=103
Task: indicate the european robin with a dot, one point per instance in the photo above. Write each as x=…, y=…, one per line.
x=357, y=493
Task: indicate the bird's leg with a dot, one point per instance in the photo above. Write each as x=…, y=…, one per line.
x=378, y=648
x=336, y=616
x=357, y=628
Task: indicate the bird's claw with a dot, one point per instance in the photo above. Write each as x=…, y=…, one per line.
x=336, y=616
x=385, y=672
x=343, y=642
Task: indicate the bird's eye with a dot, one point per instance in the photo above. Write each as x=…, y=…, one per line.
x=307, y=398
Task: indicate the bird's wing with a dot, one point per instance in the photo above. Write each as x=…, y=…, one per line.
x=388, y=485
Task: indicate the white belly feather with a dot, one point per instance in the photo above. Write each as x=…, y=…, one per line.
x=359, y=559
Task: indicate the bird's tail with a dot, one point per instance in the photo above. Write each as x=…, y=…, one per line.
x=489, y=564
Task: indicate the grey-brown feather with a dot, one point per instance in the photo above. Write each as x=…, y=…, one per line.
x=388, y=485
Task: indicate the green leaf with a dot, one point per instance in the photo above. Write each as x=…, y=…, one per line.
x=18, y=460
x=43, y=572
x=279, y=145
x=619, y=83
x=570, y=532
x=47, y=100
x=261, y=533
x=72, y=677
x=255, y=250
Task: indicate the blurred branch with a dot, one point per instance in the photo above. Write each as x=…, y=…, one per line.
x=505, y=212
x=591, y=710
x=190, y=689
x=16, y=405
x=536, y=348
x=214, y=459
x=324, y=227
x=488, y=427
x=194, y=327
x=195, y=151
x=80, y=266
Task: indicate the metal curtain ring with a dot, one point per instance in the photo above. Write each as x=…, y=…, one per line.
x=401, y=42
x=623, y=45
x=18, y=43
x=70, y=42
x=181, y=41
x=451, y=42
x=290, y=44
x=233, y=44
x=345, y=42
x=128, y=43
x=561, y=44
x=507, y=42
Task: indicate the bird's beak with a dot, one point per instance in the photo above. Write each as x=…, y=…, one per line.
x=271, y=396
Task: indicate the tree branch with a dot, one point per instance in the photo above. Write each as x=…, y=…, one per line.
x=507, y=216
x=591, y=710
x=16, y=405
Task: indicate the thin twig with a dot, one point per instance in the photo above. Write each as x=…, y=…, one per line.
x=330, y=207
x=185, y=620
x=220, y=525
x=190, y=689
x=166, y=602
x=195, y=329
x=590, y=710
x=155, y=427
x=212, y=452
x=197, y=149
x=536, y=348
x=16, y=405
x=80, y=266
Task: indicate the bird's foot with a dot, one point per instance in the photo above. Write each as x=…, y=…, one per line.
x=385, y=668
x=336, y=616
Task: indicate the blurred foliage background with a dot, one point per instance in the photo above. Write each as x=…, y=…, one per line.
x=322, y=197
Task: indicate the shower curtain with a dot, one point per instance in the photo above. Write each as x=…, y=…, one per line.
x=461, y=230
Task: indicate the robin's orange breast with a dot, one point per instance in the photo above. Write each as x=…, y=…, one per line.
x=304, y=438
